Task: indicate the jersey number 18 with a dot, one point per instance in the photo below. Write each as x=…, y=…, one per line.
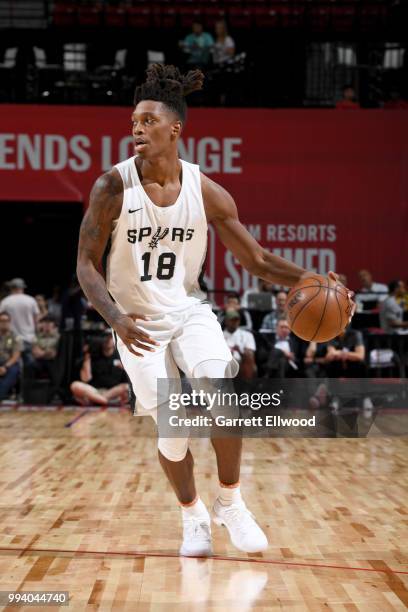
x=165, y=266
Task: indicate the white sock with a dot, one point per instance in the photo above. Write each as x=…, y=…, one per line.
x=197, y=508
x=229, y=495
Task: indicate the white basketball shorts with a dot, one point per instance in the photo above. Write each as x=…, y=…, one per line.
x=186, y=339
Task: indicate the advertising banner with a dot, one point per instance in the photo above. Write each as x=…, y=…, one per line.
x=327, y=189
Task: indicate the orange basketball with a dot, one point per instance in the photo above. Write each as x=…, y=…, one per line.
x=318, y=308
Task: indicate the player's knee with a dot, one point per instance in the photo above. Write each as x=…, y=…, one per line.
x=212, y=368
x=75, y=387
x=173, y=449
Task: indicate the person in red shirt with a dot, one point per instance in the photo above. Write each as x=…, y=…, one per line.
x=348, y=102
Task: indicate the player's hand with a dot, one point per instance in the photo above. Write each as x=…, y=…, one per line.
x=350, y=294
x=131, y=335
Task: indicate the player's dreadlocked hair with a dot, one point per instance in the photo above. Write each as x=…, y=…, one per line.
x=166, y=84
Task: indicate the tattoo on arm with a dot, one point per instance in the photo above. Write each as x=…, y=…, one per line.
x=104, y=207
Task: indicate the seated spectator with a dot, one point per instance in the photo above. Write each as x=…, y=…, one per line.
x=42, y=305
x=263, y=287
x=282, y=362
x=391, y=311
x=232, y=302
x=270, y=320
x=44, y=350
x=24, y=314
x=241, y=344
x=197, y=46
x=10, y=352
x=102, y=377
x=224, y=46
x=345, y=355
x=315, y=360
x=403, y=300
x=348, y=101
x=54, y=305
x=370, y=292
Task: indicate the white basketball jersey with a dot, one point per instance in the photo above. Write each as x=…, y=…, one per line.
x=157, y=253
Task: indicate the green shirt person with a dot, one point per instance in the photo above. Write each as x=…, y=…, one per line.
x=198, y=46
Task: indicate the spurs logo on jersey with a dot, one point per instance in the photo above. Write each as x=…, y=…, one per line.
x=157, y=255
x=177, y=233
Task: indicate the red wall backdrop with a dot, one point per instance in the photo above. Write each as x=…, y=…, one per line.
x=326, y=188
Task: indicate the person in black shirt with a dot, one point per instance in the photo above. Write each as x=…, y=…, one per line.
x=232, y=303
x=345, y=355
x=103, y=379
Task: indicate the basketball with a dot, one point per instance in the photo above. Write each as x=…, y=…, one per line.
x=318, y=308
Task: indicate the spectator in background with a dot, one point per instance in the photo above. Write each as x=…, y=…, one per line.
x=222, y=76
x=45, y=349
x=270, y=320
x=403, y=300
x=346, y=358
x=370, y=291
x=346, y=355
x=232, y=302
x=224, y=46
x=24, y=313
x=348, y=101
x=197, y=46
x=54, y=304
x=10, y=352
x=315, y=360
x=281, y=362
x=391, y=311
x=241, y=344
x=102, y=377
x=263, y=287
x=42, y=305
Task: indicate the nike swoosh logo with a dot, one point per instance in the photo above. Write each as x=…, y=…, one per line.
x=135, y=210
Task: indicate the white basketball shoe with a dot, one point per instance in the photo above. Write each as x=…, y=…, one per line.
x=196, y=531
x=245, y=533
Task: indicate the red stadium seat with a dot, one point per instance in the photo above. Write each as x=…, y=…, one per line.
x=212, y=14
x=290, y=16
x=239, y=17
x=372, y=17
x=89, y=15
x=115, y=16
x=343, y=18
x=164, y=15
x=189, y=14
x=266, y=17
x=319, y=18
x=139, y=16
x=64, y=14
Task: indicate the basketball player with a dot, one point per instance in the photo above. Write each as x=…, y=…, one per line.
x=154, y=210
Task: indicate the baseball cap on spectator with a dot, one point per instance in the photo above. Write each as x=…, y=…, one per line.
x=232, y=314
x=17, y=283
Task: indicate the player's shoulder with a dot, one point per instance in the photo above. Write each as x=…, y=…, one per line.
x=212, y=190
x=218, y=202
x=108, y=184
x=107, y=195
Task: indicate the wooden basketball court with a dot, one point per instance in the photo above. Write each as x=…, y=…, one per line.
x=85, y=508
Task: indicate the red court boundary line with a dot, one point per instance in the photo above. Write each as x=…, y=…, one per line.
x=25, y=551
